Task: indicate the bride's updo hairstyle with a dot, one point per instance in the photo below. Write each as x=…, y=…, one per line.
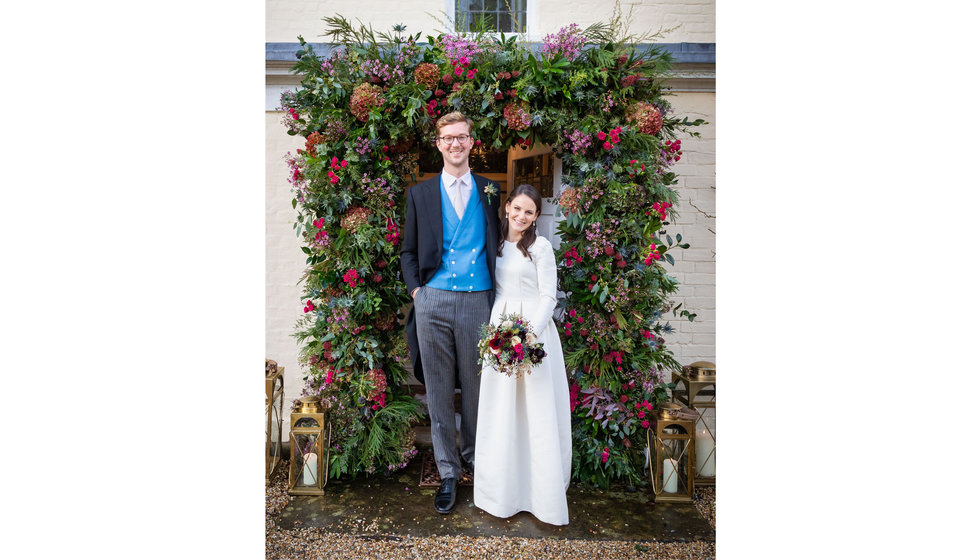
x=530, y=234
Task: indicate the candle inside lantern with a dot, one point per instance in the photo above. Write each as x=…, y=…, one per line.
x=309, y=469
x=670, y=476
x=704, y=446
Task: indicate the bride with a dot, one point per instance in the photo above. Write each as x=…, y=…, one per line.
x=523, y=444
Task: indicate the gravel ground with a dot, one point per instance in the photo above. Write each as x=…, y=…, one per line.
x=316, y=544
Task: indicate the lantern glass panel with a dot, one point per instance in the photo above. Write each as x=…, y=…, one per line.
x=705, y=438
x=306, y=423
x=275, y=430
x=675, y=456
x=305, y=462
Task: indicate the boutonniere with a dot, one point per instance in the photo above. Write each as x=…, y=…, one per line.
x=491, y=190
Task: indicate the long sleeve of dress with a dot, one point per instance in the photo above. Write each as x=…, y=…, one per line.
x=544, y=261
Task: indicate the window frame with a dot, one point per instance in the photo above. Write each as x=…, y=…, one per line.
x=531, y=18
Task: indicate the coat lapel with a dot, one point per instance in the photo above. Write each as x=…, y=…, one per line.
x=432, y=200
x=480, y=183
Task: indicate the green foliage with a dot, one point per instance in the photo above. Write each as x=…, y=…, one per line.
x=616, y=211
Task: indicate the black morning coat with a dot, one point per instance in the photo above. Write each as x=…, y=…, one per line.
x=422, y=243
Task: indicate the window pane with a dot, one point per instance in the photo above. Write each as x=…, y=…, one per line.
x=504, y=23
x=475, y=20
x=521, y=22
x=513, y=5
x=491, y=15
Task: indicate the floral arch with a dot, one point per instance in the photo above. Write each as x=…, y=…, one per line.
x=366, y=111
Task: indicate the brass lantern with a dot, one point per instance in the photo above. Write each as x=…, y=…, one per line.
x=695, y=388
x=274, y=395
x=671, y=444
x=309, y=445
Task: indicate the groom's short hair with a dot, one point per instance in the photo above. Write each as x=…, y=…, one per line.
x=453, y=118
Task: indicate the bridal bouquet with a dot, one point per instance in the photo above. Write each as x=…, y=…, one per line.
x=511, y=347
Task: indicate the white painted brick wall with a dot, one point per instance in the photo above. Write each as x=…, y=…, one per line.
x=695, y=268
x=285, y=261
x=694, y=19
x=285, y=19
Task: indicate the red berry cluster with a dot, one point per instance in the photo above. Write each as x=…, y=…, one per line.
x=628, y=81
x=613, y=136
x=393, y=235
x=653, y=256
x=617, y=357
x=568, y=325
x=620, y=261
x=673, y=149
x=352, y=279
x=319, y=225
x=335, y=165
x=572, y=257
x=635, y=169
x=573, y=395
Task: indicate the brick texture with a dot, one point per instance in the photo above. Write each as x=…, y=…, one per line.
x=694, y=20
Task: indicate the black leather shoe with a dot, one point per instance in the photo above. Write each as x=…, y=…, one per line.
x=466, y=466
x=446, y=496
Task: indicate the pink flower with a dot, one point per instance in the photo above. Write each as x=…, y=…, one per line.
x=601, y=135
x=343, y=163
x=641, y=414
x=607, y=145
x=464, y=61
x=605, y=454
x=471, y=74
x=458, y=71
x=645, y=423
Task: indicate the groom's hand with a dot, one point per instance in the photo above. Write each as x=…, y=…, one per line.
x=414, y=292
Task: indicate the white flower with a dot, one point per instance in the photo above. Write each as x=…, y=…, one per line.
x=515, y=341
x=531, y=339
x=507, y=325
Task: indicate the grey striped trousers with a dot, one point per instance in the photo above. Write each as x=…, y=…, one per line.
x=448, y=326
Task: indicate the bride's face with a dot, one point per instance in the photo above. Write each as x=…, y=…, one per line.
x=521, y=213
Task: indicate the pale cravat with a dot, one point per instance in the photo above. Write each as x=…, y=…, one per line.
x=458, y=203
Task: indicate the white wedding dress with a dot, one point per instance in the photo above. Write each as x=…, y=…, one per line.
x=523, y=453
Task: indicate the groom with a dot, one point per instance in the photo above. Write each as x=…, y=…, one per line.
x=448, y=257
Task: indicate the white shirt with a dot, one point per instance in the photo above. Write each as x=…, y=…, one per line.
x=459, y=190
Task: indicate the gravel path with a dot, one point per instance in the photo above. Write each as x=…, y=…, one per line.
x=316, y=544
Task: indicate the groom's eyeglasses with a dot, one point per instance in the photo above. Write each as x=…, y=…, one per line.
x=449, y=139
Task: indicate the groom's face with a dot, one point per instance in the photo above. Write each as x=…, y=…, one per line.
x=455, y=152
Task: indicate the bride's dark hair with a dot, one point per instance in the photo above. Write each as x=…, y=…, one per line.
x=530, y=234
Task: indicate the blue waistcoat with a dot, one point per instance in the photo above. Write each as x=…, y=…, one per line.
x=464, y=246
